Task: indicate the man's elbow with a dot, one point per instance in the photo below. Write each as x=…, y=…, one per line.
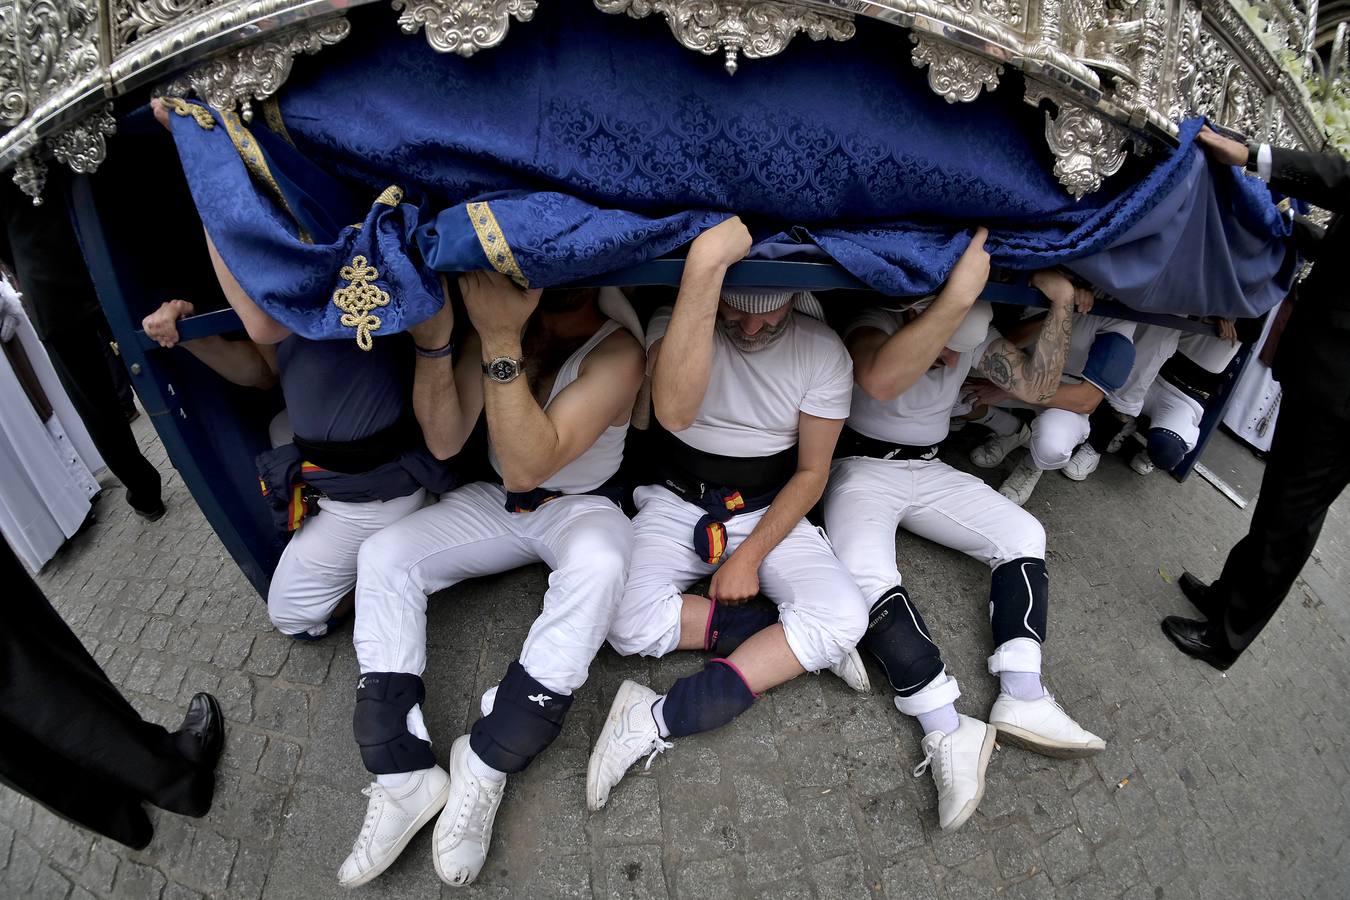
x=520, y=479
x=264, y=380
x=879, y=389
x=672, y=420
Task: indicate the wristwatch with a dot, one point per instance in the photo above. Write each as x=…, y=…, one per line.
x=503, y=369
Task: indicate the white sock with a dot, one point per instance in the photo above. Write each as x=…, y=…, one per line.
x=659, y=714
x=1022, y=685
x=394, y=780
x=1000, y=421
x=942, y=719
x=482, y=770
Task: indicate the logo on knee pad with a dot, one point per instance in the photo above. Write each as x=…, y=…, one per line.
x=539, y=698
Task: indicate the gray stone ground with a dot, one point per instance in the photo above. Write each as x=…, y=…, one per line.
x=1211, y=786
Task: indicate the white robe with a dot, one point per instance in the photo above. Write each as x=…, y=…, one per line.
x=46, y=468
x=1256, y=400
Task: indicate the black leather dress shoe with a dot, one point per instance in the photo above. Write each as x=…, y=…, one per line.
x=202, y=735
x=1203, y=640
x=1200, y=594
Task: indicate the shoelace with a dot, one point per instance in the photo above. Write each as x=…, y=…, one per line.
x=372, y=814
x=944, y=771
x=658, y=746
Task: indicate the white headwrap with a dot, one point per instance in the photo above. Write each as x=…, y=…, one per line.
x=758, y=301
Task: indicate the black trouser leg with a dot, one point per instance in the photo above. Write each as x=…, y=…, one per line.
x=79, y=357
x=1308, y=467
x=56, y=697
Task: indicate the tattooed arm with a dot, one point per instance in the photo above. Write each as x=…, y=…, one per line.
x=1035, y=378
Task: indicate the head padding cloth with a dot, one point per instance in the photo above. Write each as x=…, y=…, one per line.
x=758, y=301
x=973, y=328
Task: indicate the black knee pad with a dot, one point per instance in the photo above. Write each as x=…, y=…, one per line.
x=1019, y=600
x=525, y=718
x=706, y=700
x=898, y=638
x=380, y=723
x=1165, y=448
x=733, y=624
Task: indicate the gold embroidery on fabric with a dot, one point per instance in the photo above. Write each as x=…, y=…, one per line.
x=358, y=298
x=271, y=111
x=253, y=158
x=391, y=196
x=200, y=114
x=494, y=243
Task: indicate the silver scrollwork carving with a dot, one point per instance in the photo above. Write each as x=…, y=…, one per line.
x=463, y=26
x=30, y=174
x=59, y=40
x=134, y=20
x=257, y=71
x=13, y=101
x=756, y=30
x=1087, y=146
x=956, y=75
x=84, y=145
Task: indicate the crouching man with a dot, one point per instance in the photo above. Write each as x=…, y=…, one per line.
x=909, y=371
x=560, y=386
x=754, y=395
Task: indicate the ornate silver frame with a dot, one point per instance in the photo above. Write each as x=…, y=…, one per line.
x=1111, y=74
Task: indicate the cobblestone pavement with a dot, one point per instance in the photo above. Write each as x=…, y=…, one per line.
x=1210, y=786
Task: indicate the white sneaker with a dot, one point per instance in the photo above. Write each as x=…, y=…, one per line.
x=629, y=732
x=464, y=829
x=958, y=761
x=1019, y=484
x=996, y=447
x=393, y=816
x=1083, y=463
x=1125, y=433
x=1142, y=464
x=1042, y=725
x=851, y=671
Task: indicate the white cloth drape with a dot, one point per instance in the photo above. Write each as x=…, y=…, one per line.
x=1256, y=400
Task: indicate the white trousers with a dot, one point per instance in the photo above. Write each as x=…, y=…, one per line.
x=822, y=612
x=868, y=499
x=1167, y=407
x=318, y=566
x=1055, y=433
x=585, y=539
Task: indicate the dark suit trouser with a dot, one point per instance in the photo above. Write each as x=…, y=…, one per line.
x=69, y=739
x=1307, y=468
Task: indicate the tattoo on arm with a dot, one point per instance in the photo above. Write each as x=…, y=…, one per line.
x=1033, y=378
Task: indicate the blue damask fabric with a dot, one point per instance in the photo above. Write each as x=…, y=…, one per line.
x=588, y=142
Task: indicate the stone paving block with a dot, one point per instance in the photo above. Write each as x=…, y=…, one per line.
x=51, y=884
x=893, y=825
x=827, y=822
x=568, y=878
x=308, y=662
x=1066, y=856
x=705, y=880
x=24, y=863
x=279, y=760
x=136, y=881
x=269, y=653
x=249, y=874
x=841, y=878
x=633, y=814
x=909, y=879
x=702, y=828
x=634, y=873
x=179, y=892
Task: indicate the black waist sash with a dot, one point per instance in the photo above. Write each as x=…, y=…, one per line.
x=851, y=443
x=362, y=454
x=1190, y=378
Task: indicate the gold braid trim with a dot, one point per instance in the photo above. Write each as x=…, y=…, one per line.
x=253, y=158
x=200, y=114
x=391, y=196
x=271, y=111
x=358, y=298
x=494, y=244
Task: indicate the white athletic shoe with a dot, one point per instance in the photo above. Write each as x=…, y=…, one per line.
x=1142, y=464
x=1083, y=463
x=1125, y=433
x=629, y=733
x=996, y=447
x=958, y=761
x=1042, y=725
x=851, y=671
x=1021, y=481
x=393, y=816
x=464, y=830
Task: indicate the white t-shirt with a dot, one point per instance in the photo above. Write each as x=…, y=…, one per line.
x=921, y=415
x=753, y=400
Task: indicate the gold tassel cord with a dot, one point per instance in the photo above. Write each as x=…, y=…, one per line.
x=358, y=298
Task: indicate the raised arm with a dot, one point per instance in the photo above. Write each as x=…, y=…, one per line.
x=261, y=327
x=885, y=366
x=1035, y=378
x=1320, y=178
x=532, y=443
x=239, y=362
x=447, y=393
x=682, y=359
x=738, y=578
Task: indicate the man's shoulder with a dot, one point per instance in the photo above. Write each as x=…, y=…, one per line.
x=816, y=333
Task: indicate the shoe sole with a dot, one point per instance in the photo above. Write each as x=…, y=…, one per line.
x=436, y=839
x=403, y=840
x=986, y=752
x=593, y=765
x=1036, y=743
x=1076, y=477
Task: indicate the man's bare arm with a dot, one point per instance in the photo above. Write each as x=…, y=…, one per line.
x=261, y=327
x=682, y=366
x=1035, y=378
x=447, y=392
x=239, y=362
x=885, y=366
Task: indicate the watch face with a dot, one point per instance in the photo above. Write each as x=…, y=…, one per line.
x=502, y=369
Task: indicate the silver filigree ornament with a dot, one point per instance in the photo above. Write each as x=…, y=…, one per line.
x=84, y=145
x=1087, y=147
x=13, y=100
x=135, y=20
x=30, y=175
x=463, y=26
x=256, y=71
x=732, y=28
x=954, y=74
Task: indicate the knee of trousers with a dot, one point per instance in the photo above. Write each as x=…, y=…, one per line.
x=381, y=558
x=380, y=723
x=821, y=637
x=898, y=637
x=1166, y=448
x=1021, y=537
x=1051, y=448
x=1019, y=601
x=524, y=719
x=647, y=622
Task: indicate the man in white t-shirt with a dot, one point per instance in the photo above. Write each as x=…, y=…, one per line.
x=909, y=370
x=753, y=394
